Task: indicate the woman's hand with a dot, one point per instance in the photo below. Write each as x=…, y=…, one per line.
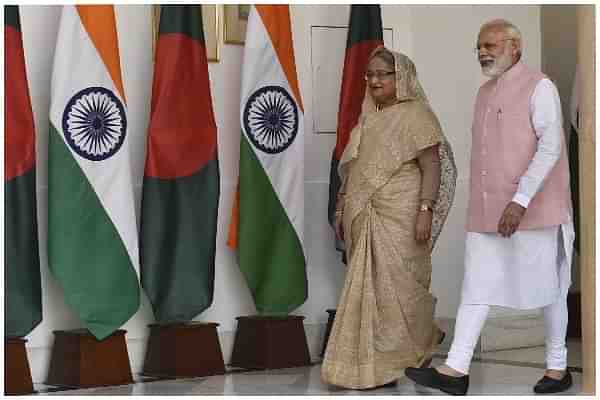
x=423, y=226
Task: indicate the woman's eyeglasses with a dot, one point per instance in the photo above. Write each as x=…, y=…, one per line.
x=378, y=74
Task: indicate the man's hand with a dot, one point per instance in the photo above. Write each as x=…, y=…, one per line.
x=511, y=218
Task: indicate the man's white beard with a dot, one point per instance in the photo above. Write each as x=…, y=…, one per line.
x=499, y=66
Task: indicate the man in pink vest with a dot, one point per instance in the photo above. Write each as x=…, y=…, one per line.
x=519, y=230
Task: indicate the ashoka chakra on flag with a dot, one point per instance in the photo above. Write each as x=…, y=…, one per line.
x=94, y=123
x=270, y=119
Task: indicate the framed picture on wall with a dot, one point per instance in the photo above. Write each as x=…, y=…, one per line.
x=212, y=16
x=155, y=21
x=236, y=19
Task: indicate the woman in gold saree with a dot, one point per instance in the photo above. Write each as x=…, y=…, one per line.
x=398, y=180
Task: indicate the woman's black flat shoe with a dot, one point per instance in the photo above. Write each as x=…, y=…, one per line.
x=431, y=378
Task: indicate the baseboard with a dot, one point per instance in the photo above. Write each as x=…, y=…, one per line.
x=499, y=333
x=39, y=357
x=504, y=333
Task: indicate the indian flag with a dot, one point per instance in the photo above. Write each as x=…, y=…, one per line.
x=92, y=235
x=268, y=214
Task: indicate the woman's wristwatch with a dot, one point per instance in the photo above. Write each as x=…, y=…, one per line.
x=425, y=207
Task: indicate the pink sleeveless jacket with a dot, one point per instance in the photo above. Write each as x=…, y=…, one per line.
x=504, y=143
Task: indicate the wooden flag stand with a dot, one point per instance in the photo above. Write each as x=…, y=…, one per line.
x=80, y=360
x=186, y=349
x=17, y=375
x=269, y=342
x=330, y=320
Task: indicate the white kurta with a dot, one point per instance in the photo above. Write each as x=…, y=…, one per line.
x=532, y=268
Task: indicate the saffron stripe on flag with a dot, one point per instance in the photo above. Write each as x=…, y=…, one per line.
x=100, y=24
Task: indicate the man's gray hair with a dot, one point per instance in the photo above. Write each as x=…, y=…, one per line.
x=507, y=27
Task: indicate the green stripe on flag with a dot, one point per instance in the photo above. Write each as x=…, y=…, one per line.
x=365, y=24
x=186, y=19
x=11, y=18
x=271, y=256
x=85, y=251
x=23, y=297
x=178, y=241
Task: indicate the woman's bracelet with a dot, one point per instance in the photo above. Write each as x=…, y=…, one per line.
x=425, y=207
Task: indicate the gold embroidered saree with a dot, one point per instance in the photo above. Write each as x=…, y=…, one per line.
x=384, y=319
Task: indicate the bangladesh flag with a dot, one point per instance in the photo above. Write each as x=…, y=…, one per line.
x=181, y=182
x=92, y=231
x=268, y=215
x=364, y=35
x=23, y=293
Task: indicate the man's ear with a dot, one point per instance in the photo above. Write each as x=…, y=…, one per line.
x=516, y=46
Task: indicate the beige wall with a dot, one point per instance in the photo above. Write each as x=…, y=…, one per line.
x=558, y=24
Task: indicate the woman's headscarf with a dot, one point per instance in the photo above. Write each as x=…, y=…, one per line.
x=408, y=88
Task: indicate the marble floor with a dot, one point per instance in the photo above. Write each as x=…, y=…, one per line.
x=510, y=372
